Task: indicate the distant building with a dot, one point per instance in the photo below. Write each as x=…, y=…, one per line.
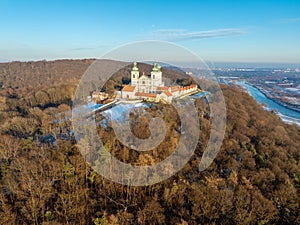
x=151, y=87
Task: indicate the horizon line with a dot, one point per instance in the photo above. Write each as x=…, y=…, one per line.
x=210, y=62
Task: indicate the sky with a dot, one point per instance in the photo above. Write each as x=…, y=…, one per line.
x=217, y=31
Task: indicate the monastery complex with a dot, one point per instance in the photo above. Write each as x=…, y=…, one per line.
x=151, y=87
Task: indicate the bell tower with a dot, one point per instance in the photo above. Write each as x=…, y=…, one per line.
x=156, y=75
x=135, y=74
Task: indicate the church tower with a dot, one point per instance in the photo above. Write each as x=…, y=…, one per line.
x=156, y=76
x=135, y=75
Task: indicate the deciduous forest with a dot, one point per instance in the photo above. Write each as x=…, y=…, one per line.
x=44, y=179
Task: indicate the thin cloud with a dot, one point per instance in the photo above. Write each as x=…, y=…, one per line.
x=88, y=48
x=182, y=35
x=289, y=20
x=168, y=31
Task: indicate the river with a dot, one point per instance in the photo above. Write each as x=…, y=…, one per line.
x=287, y=115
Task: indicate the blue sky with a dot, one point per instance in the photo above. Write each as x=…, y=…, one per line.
x=218, y=31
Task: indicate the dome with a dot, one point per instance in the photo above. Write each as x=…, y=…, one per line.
x=135, y=68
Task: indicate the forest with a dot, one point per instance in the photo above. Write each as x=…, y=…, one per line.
x=44, y=178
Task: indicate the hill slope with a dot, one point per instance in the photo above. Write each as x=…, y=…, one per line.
x=255, y=178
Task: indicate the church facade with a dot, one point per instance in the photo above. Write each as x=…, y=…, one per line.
x=147, y=83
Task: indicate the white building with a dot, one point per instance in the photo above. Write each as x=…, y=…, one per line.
x=146, y=83
x=128, y=92
x=151, y=87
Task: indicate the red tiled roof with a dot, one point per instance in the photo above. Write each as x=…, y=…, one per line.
x=175, y=88
x=149, y=95
x=167, y=93
x=183, y=88
x=188, y=87
x=128, y=88
x=162, y=88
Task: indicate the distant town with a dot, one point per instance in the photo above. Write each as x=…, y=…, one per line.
x=280, y=85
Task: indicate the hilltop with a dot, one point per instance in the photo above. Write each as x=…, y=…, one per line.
x=255, y=178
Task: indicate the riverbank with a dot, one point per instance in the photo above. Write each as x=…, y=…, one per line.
x=287, y=115
x=286, y=105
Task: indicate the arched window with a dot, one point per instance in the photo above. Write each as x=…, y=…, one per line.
x=133, y=76
x=153, y=76
x=143, y=82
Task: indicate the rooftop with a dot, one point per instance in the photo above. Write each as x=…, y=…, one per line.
x=162, y=88
x=128, y=88
x=142, y=94
x=175, y=88
x=167, y=93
